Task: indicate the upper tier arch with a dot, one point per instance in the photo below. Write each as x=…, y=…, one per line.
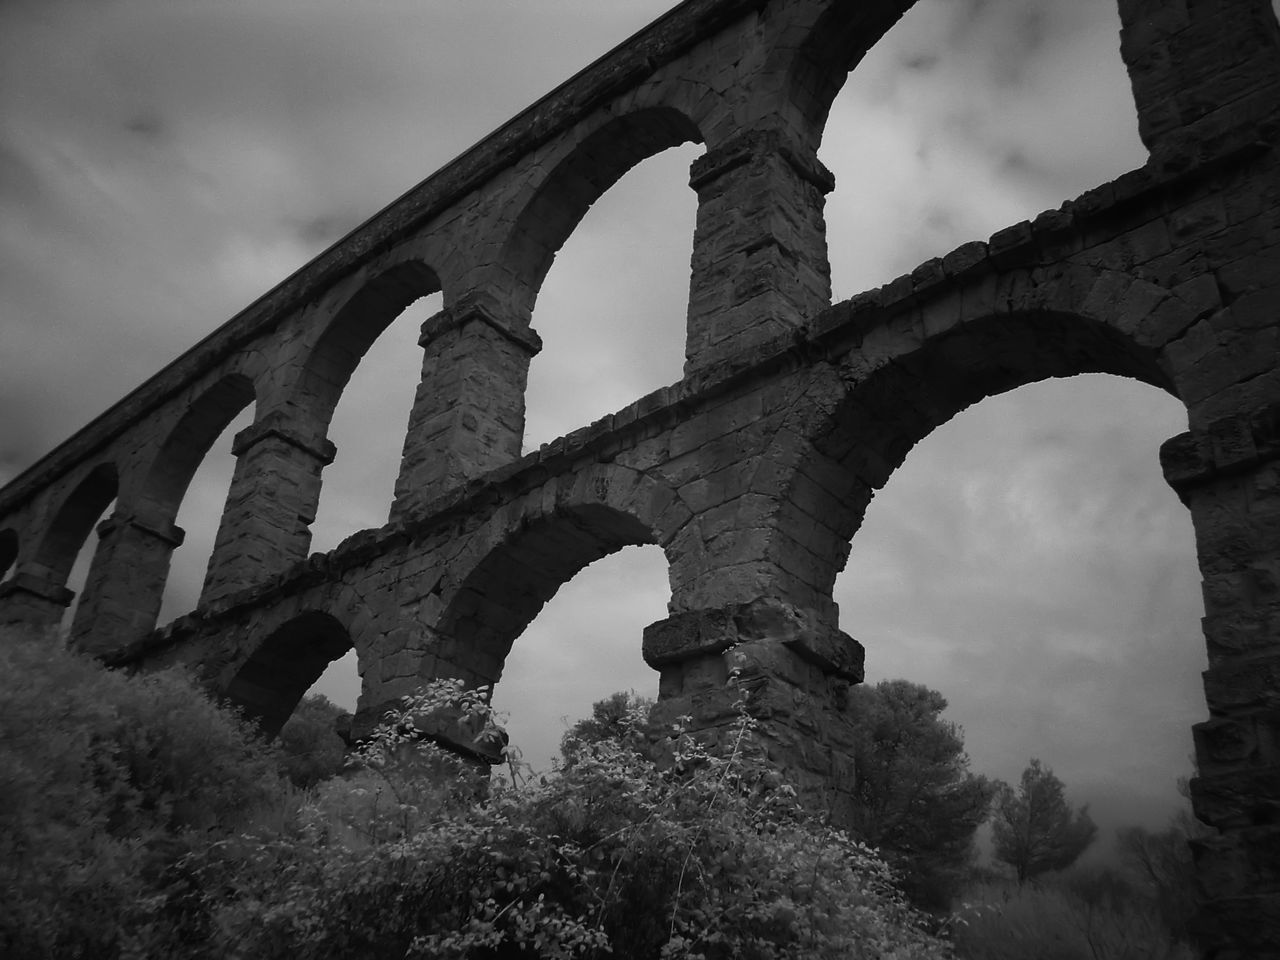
x=912, y=374
x=559, y=203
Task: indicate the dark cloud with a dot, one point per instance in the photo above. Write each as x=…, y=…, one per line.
x=19, y=177
x=921, y=62
x=149, y=126
x=322, y=230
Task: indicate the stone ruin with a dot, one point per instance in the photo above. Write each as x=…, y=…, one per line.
x=753, y=471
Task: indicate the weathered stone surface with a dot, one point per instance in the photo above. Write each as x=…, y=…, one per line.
x=753, y=472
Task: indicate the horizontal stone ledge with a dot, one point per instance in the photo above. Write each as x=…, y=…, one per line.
x=447, y=728
x=1224, y=448
x=37, y=586
x=703, y=633
x=481, y=310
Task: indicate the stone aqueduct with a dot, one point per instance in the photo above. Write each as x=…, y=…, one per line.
x=753, y=471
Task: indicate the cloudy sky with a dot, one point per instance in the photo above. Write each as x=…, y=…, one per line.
x=164, y=162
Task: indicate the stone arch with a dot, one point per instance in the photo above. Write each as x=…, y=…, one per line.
x=74, y=520
x=8, y=550
x=854, y=450
x=125, y=587
x=578, y=180
x=350, y=334
x=522, y=557
x=189, y=442
x=820, y=46
x=275, y=677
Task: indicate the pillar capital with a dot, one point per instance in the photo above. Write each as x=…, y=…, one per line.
x=752, y=145
x=273, y=425
x=1222, y=448
x=477, y=308
x=37, y=586
x=702, y=633
x=169, y=534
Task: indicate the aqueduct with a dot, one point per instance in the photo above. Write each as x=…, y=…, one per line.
x=753, y=471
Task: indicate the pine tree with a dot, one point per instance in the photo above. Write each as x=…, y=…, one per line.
x=1035, y=829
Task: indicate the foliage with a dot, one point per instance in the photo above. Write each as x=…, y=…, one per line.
x=309, y=742
x=1034, y=829
x=618, y=718
x=1161, y=863
x=916, y=799
x=708, y=857
x=1084, y=915
x=139, y=820
x=108, y=781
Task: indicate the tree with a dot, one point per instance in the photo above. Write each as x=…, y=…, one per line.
x=1161, y=861
x=915, y=797
x=109, y=781
x=618, y=718
x=1034, y=829
x=312, y=749
x=612, y=856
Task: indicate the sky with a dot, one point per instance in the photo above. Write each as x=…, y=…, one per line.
x=165, y=162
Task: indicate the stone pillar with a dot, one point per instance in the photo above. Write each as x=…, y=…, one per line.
x=1201, y=71
x=759, y=264
x=468, y=412
x=266, y=525
x=1229, y=476
x=125, y=586
x=30, y=599
x=793, y=675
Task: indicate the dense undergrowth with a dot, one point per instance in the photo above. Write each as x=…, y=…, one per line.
x=138, y=820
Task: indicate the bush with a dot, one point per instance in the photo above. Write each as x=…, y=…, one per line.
x=1082, y=915
x=309, y=742
x=139, y=820
x=109, y=780
x=709, y=857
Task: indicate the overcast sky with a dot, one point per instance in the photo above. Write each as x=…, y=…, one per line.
x=164, y=162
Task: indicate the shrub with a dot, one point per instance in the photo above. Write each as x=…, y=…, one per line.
x=1083, y=915
x=109, y=780
x=309, y=742
x=708, y=857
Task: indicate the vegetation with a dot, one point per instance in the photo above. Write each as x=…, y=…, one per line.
x=142, y=821
x=309, y=741
x=109, y=782
x=619, y=718
x=1080, y=915
x=139, y=820
x=1034, y=828
x=917, y=801
x=1161, y=863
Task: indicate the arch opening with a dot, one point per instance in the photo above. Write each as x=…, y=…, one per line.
x=189, y=481
x=617, y=218
x=75, y=519
x=505, y=591
x=8, y=552
x=285, y=666
x=964, y=120
x=901, y=403
x=497, y=601
x=203, y=504
x=368, y=423
x=1027, y=560
x=77, y=578
x=595, y=165
x=353, y=330
x=191, y=440
x=581, y=647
